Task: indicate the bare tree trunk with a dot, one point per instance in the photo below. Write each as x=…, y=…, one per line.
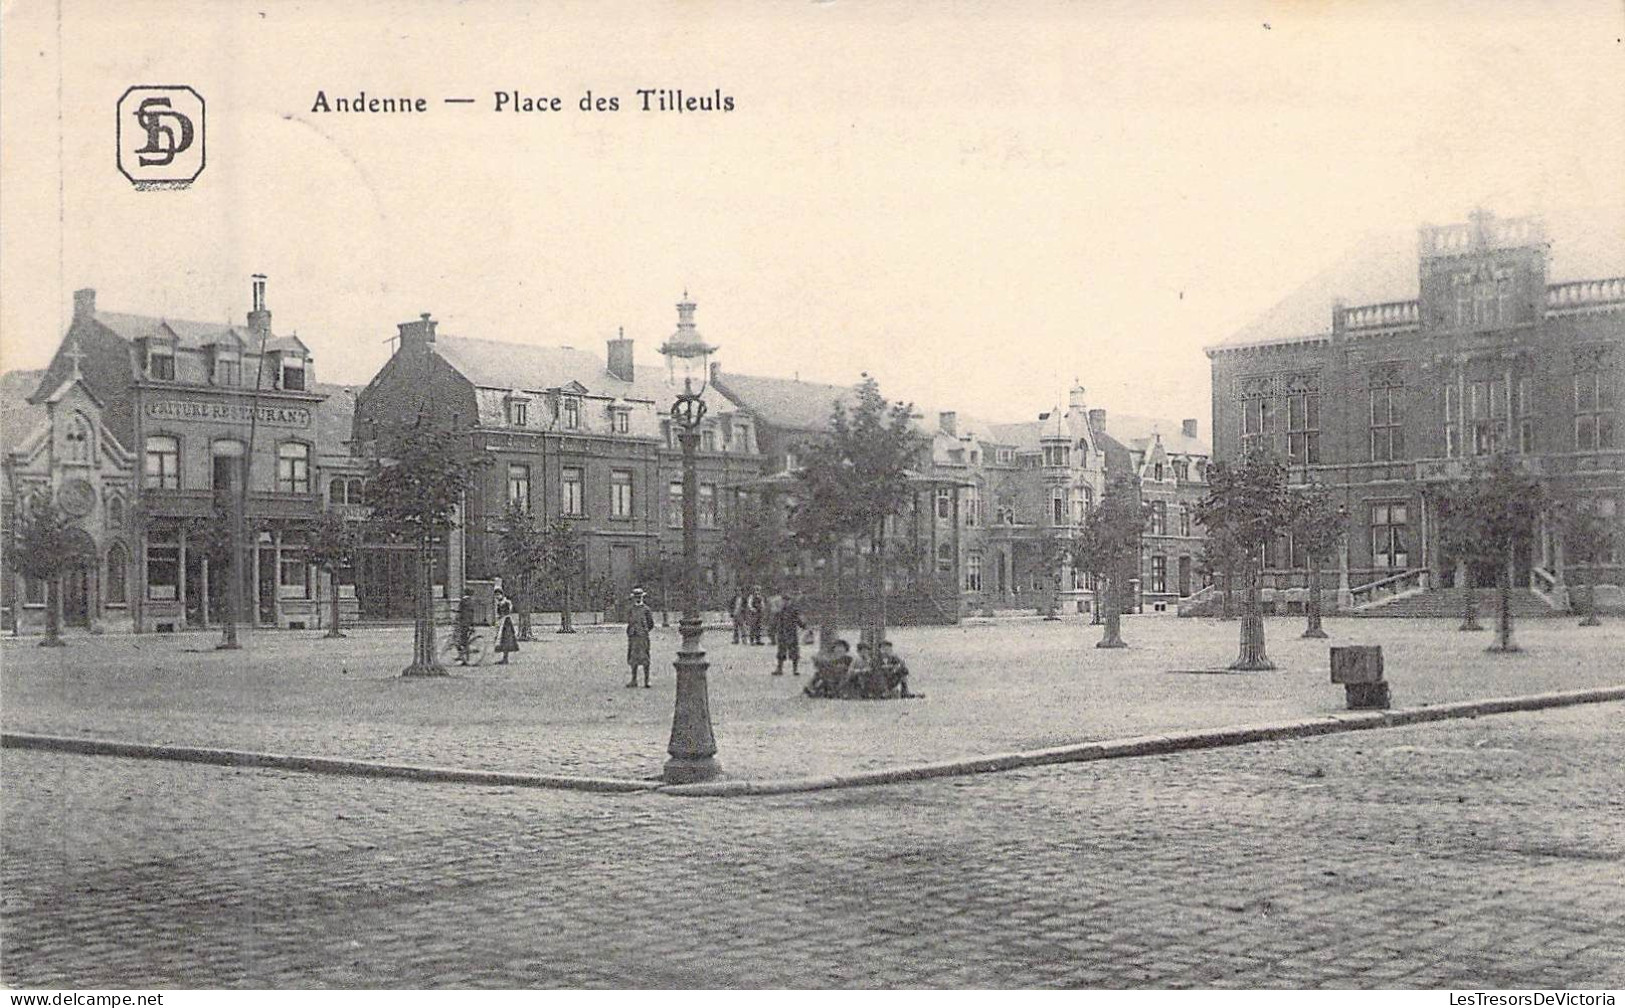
x=1503, y=615
x=566, y=621
x=53, y=612
x=1469, y=599
x=424, y=660
x=525, y=633
x=1314, y=628
x=1589, y=583
x=1113, y=637
x=1227, y=605
x=1252, y=657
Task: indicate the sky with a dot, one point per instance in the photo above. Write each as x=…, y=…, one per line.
x=978, y=203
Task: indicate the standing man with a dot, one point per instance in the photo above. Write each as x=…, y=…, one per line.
x=755, y=612
x=736, y=609
x=787, y=627
x=638, y=624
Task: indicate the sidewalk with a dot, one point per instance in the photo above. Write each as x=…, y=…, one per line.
x=563, y=709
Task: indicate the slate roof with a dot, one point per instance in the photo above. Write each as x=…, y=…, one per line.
x=495, y=364
x=335, y=416
x=1136, y=432
x=785, y=402
x=189, y=334
x=1383, y=267
x=19, y=417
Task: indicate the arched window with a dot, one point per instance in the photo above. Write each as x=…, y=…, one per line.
x=76, y=446
x=118, y=571
x=115, y=512
x=338, y=491
x=293, y=467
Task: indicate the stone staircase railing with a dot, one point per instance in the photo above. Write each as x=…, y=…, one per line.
x=1545, y=586
x=1387, y=589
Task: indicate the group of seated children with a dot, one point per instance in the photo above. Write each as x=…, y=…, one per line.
x=871, y=677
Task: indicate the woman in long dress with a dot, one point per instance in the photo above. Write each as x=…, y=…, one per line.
x=507, y=636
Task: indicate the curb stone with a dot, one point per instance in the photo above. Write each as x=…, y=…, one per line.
x=1080, y=752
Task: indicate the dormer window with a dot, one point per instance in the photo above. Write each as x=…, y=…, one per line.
x=228, y=367
x=516, y=411
x=161, y=361
x=572, y=414
x=293, y=374
x=1156, y=472
x=621, y=419
x=1006, y=456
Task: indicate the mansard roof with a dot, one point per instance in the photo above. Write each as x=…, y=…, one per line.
x=494, y=364
x=192, y=335
x=1382, y=267
x=785, y=402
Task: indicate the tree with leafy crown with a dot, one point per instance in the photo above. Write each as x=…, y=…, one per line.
x=1250, y=502
x=1318, y=524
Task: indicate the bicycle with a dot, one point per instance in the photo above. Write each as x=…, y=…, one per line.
x=479, y=648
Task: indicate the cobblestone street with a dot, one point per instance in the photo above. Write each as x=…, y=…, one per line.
x=1482, y=853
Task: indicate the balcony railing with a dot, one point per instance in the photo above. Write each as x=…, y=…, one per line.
x=1584, y=293
x=1388, y=315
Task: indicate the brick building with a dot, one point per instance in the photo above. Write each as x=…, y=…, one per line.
x=138, y=427
x=570, y=435
x=1390, y=373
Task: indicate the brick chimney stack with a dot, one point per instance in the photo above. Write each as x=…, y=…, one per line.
x=259, y=316
x=1188, y=428
x=620, y=357
x=417, y=335
x=84, y=303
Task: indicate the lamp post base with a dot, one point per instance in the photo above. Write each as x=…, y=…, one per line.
x=686, y=770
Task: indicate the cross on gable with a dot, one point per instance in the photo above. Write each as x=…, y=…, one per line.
x=76, y=355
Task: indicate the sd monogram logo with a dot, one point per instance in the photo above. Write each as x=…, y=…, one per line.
x=160, y=136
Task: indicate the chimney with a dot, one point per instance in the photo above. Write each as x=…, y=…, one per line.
x=1097, y=418
x=948, y=423
x=1188, y=428
x=1074, y=398
x=417, y=335
x=84, y=303
x=620, y=357
x=259, y=317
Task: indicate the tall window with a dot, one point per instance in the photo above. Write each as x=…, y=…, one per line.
x=1303, y=427
x=77, y=439
x=973, y=570
x=293, y=467
x=163, y=564
x=1257, y=415
x=622, y=421
x=1057, y=455
x=1487, y=402
x=945, y=557
x=1159, y=574
x=1057, y=505
x=115, y=512
x=944, y=503
x=570, y=496
x=163, y=470
x=1081, y=505
x=293, y=567
x=1156, y=472
x=1526, y=411
x=1452, y=419
x=227, y=456
x=228, y=368
x=293, y=374
x=161, y=361
x=518, y=412
x=1182, y=470
x=1386, y=401
x=572, y=414
x=674, y=504
x=1184, y=520
x=1594, y=400
x=708, y=440
x=708, y=505
x=620, y=493
x=1159, y=518
x=973, y=505
x=519, y=486
x=1389, y=535
x=118, y=572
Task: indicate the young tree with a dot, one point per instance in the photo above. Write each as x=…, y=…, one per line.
x=855, y=479
x=1221, y=556
x=42, y=547
x=1589, y=537
x=1110, y=546
x=1251, y=503
x=333, y=545
x=755, y=546
x=1318, y=523
x=558, y=563
x=523, y=548
x=1506, y=505
x=1085, y=554
x=1461, y=537
x=416, y=486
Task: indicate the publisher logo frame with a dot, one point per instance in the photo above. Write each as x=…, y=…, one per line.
x=160, y=131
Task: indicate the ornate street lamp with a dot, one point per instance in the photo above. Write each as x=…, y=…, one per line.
x=693, y=747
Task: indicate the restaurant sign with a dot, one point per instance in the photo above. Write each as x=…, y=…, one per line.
x=231, y=413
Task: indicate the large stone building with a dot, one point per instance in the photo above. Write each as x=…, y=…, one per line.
x=137, y=428
x=1388, y=375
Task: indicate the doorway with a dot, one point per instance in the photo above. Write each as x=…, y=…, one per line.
x=76, y=595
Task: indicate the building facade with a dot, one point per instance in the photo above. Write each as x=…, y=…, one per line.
x=1489, y=336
